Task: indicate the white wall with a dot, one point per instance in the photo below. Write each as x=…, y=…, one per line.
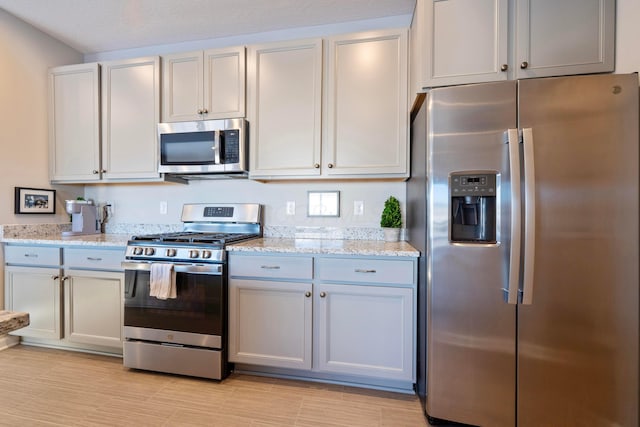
x=627, y=36
x=135, y=204
x=25, y=56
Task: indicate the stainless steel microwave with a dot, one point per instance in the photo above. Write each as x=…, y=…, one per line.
x=204, y=147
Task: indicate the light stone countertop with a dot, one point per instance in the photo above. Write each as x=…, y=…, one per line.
x=324, y=243
x=106, y=240
x=326, y=247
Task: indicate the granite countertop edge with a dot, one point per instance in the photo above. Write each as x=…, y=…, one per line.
x=105, y=240
x=326, y=247
x=264, y=245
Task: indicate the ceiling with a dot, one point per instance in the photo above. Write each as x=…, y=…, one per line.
x=91, y=26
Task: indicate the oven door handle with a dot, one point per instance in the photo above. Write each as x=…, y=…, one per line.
x=215, y=269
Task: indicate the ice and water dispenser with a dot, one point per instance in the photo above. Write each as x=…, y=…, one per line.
x=473, y=207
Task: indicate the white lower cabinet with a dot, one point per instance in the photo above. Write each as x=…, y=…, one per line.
x=35, y=290
x=93, y=307
x=77, y=303
x=347, y=319
x=365, y=330
x=270, y=323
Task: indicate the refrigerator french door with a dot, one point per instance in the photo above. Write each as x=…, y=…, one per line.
x=529, y=283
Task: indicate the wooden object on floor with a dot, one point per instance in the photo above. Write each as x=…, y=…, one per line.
x=12, y=320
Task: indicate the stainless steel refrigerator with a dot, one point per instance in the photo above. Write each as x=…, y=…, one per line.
x=523, y=200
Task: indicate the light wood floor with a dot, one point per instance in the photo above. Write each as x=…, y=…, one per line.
x=45, y=387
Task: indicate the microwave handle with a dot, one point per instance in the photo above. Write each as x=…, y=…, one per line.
x=216, y=146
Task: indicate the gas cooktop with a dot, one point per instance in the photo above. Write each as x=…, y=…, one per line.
x=207, y=229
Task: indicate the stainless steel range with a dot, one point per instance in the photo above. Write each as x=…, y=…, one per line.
x=184, y=332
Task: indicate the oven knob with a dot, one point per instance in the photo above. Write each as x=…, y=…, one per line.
x=206, y=254
x=171, y=252
x=137, y=251
x=149, y=251
x=194, y=254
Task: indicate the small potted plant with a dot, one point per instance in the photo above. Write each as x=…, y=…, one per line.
x=391, y=219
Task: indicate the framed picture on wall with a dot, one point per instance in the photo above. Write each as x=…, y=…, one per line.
x=34, y=201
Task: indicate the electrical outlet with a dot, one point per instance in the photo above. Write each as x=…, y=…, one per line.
x=358, y=207
x=163, y=208
x=291, y=208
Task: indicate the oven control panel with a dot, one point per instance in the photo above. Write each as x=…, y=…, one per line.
x=218, y=212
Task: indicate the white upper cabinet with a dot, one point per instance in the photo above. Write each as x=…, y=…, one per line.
x=472, y=41
x=284, y=108
x=564, y=37
x=367, y=118
x=130, y=114
x=344, y=118
x=74, y=123
x=204, y=85
x=103, y=121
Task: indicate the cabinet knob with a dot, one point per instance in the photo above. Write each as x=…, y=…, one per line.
x=95, y=172
x=323, y=294
x=55, y=277
x=316, y=165
x=103, y=170
x=504, y=67
x=65, y=278
x=307, y=294
x=205, y=111
x=524, y=65
x=330, y=165
x=200, y=111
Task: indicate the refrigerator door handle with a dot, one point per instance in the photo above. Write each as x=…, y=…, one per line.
x=529, y=216
x=511, y=293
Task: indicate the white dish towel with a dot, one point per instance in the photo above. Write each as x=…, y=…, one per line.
x=162, y=284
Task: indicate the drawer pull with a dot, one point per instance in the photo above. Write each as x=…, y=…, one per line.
x=270, y=267
x=361, y=270
x=93, y=259
x=31, y=255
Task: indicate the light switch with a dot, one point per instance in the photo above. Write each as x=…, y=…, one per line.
x=358, y=207
x=163, y=208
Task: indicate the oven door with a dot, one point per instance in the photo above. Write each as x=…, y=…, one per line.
x=196, y=317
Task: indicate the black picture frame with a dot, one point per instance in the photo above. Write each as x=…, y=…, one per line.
x=34, y=201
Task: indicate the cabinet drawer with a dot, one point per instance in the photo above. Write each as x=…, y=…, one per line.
x=280, y=267
x=365, y=270
x=94, y=259
x=32, y=255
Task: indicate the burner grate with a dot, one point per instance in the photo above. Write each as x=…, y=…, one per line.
x=195, y=237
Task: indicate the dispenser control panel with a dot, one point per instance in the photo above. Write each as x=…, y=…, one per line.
x=473, y=207
x=473, y=185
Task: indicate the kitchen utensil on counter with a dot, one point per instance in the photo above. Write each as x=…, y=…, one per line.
x=84, y=217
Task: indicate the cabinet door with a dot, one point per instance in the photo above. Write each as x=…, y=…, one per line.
x=367, y=117
x=461, y=41
x=545, y=46
x=365, y=330
x=94, y=307
x=74, y=123
x=130, y=114
x=182, y=92
x=270, y=323
x=284, y=88
x=224, y=83
x=37, y=292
